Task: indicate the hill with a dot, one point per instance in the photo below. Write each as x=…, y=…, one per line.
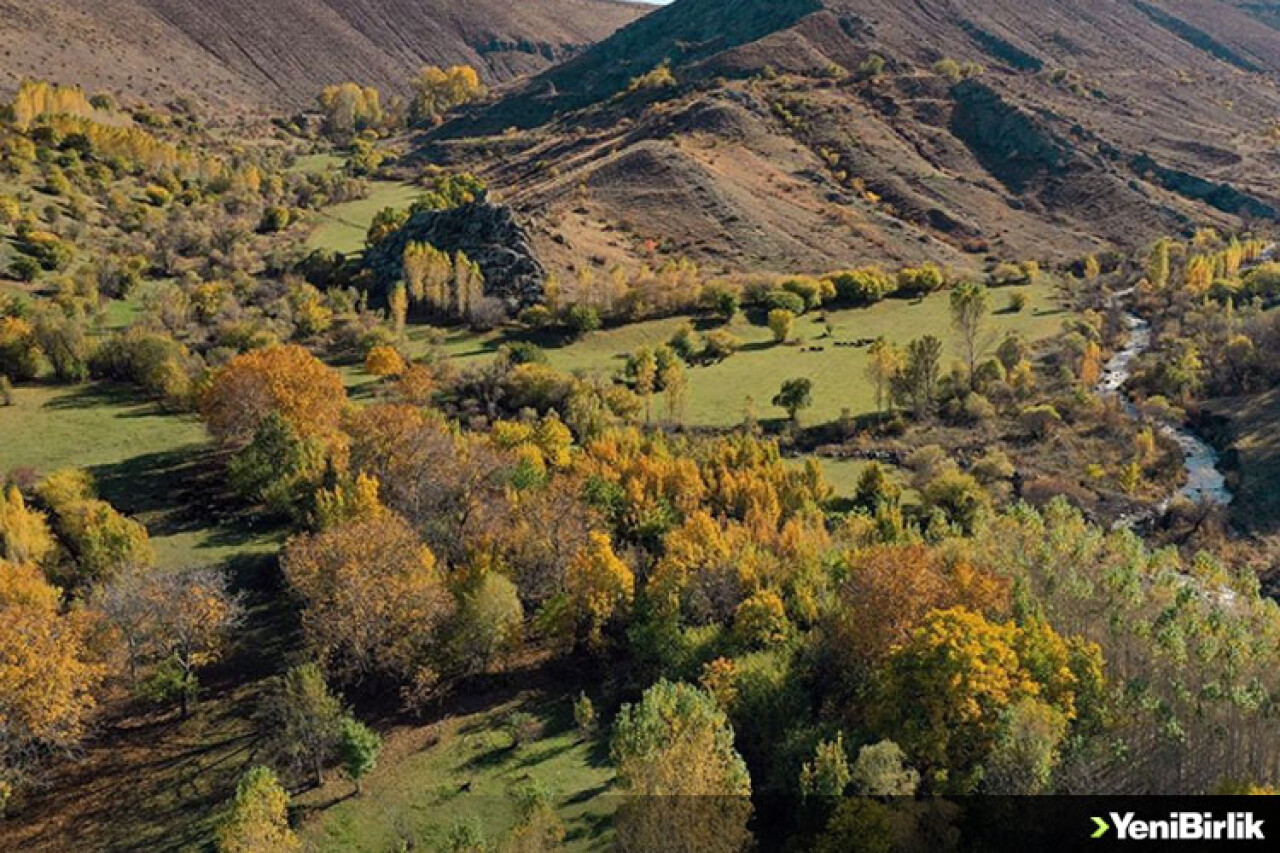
x=279, y=53
x=777, y=140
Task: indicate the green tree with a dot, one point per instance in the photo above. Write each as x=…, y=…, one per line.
x=884, y=362
x=828, y=775
x=795, y=396
x=881, y=771
x=689, y=788
x=358, y=749
x=303, y=718
x=970, y=306
x=917, y=383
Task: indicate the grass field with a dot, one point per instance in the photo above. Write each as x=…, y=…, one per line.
x=720, y=395
x=342, y=227
x=417, y=792
x=155, y=466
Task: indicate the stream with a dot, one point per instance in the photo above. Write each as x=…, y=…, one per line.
x=1205, y=483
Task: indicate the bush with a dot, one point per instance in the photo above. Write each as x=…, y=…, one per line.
x=582, y=320
x=24, y=268
x=1017, y=302
x=781, y=323
x=863, y=286
x=274, y=219
x=717, y=345
x=811, y=290
x=920, y=281
x=784, y=300
x=6, y=391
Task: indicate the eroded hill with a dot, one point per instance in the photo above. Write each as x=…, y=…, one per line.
x=1017, y=129
x=279, y=53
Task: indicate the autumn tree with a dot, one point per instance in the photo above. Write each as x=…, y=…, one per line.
x=437, y=90
x=374, y=597
x=349, y=108
x=178, y=623
x=25, y=537
x=689, y=789
x=884, y=362
x=47, y=673
x=258, y=818
x=601, y=586
x=285, y=380
x=781, y=322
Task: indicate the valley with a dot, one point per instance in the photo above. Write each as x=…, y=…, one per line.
x=579, y=425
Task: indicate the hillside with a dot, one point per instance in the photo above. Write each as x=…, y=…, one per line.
x=279, y=53
x=1089, y=124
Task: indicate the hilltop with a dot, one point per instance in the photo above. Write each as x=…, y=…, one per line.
x=278, y=53
x=806, y=135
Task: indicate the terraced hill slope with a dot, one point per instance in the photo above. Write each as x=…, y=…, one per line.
x=1090, y=124
x=279, y=53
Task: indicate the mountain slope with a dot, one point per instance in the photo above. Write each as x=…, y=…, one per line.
x=279, y=53
x=1092, y=124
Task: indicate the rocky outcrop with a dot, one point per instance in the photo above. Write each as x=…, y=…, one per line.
x=489, y=234
x=1006, y=139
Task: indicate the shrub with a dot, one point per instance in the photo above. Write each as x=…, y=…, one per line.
x=784, y=300
x=1017, y=302
x=717, y=345
x=781, y=323
x=582, y=320
x=864, y=286
x=920, y=281
x=811, y=290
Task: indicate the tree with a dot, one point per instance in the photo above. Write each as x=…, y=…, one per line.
x=398, y=305
x=1158, y=265
x=689, y=789
x=945, y=691
x=761, y=622
x=969, y=308
x=643, y=367
x=279, y=469
x=600, y=585
x=917, y=383
x=795, y=396
x=828, y=775
x=25, y=537
x=358, y=747
x=884, y=362
x=881, y=771
x=384, y=361
x=187, y=618
x=437, y=90
x=258, y=819
x=374, y=597
x=1026, y=751
x=302, y=718
x=286, y=380
x=350, y=108
x=47, y=676
x=781, y=322
x=584, y=716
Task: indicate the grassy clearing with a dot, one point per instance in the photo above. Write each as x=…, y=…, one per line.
x=315, y=163
x=721, y=395
x=155, y=466
x=342, y=227
x=421, y=787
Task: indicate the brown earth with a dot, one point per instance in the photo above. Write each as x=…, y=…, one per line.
x=279, y=53
x=1092, y=125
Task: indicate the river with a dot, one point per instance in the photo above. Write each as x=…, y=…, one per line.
x=1205, y=482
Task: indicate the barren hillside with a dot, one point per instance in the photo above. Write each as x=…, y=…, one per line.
x=278, y=53
x=1088, y=124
